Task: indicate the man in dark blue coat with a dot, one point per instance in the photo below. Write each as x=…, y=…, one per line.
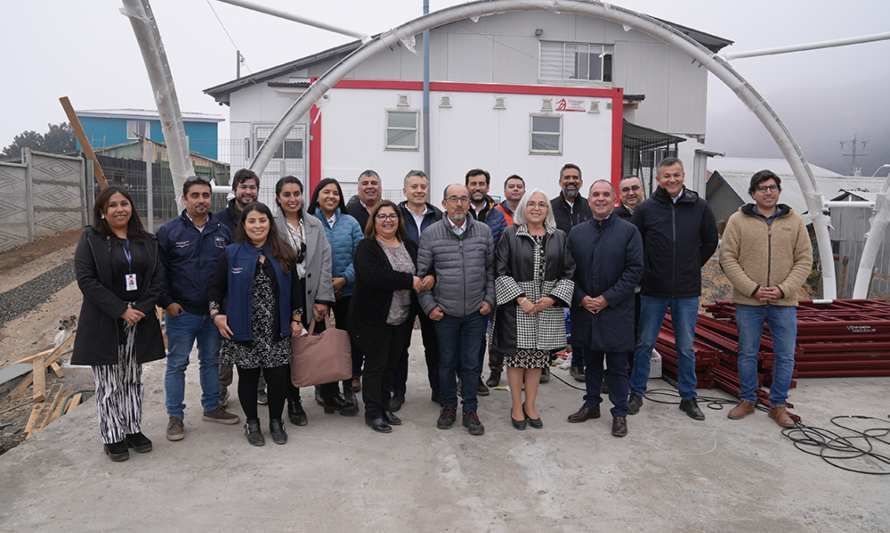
x=608, y=256
x=679, y=236
x=189, y=247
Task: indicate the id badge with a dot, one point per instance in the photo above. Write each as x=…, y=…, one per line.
x=130, y=282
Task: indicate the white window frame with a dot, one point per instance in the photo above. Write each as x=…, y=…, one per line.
x=416, y=129
x=145, y=123
x=532, y=132
x=603, y=49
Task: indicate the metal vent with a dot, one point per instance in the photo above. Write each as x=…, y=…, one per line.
x=403, y=100
x=499, y=102
x=547, y=105
x=594, y=107
x=445, y=102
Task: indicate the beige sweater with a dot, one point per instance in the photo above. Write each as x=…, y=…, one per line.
x=755, y=254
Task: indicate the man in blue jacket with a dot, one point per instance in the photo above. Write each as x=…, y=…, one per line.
x=608, y=256
x=418, y=214
x=484, y=209
x=679, y=236
x=190, y=246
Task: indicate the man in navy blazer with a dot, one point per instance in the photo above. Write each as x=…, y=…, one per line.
x=608, y=254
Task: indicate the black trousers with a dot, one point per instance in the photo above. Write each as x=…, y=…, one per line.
x=431, y=354
x=383, y=347
x=277, y=379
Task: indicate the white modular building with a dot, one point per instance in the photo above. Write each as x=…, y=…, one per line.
x=519, y=93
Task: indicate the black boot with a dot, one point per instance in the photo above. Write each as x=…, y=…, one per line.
x=276, y=429
x=295, y=413
x=351, y=407
x=253, y=433
x=117, y=451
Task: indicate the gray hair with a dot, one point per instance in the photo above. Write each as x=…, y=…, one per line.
x=604, y=180
x=519, y=213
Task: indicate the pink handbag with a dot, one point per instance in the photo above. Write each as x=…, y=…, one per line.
x=320, y=358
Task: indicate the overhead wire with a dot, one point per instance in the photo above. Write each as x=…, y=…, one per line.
x=229, y=35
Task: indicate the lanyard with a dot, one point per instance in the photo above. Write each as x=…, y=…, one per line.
x=128, y=256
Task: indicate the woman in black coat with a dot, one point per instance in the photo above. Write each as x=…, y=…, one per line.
x=381, y=305
x=118, y=271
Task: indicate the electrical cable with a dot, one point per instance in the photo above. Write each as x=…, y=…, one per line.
x=229, y=35
x=831, y=446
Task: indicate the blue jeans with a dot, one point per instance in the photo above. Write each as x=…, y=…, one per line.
x=616, y=378
x=684, y=314
x=782, y=322
x=459, y=342
x=182, y=332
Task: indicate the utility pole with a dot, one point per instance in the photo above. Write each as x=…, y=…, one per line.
x=854, y=153
x=238, y=60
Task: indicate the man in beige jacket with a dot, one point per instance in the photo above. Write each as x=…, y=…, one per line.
x=767, y=256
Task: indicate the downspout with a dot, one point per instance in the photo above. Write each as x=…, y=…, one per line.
x=426, y=94
x=149, y=39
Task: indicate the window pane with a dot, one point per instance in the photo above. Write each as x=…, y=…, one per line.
x=293, y=149
x=607, y=67
x=401, y=138
x=596, y=64
x=545, y=142
x=551, y=60
x=581, y=72
x=278, y=153
x=545, y=124
x=402, y=119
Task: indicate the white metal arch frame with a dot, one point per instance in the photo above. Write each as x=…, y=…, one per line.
x=627, y=18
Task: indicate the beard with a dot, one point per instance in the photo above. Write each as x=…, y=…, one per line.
x=570, y=193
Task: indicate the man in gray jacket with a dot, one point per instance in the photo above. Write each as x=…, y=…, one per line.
x=460, y=252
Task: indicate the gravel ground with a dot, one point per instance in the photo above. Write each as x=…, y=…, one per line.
x=34, y=293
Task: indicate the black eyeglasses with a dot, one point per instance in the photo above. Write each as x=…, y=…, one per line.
x=630, y=188
x=197, y=179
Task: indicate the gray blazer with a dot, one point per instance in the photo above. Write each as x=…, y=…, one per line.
x=463, y=266
x=318, y=260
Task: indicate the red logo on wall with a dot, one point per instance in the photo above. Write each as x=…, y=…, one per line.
x=569, y=105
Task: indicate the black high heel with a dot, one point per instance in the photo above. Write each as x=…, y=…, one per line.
x=536, y=423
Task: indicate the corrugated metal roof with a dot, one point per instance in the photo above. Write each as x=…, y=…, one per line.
x=135, y=113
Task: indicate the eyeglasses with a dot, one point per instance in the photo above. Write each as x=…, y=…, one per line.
x=459, y=199
x=768, y=188
x=391, y=216
x=197, y=179
x=630, y=188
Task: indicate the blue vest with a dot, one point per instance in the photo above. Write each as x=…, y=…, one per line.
x=242, y=261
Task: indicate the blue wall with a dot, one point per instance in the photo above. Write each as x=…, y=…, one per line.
x=103, y=132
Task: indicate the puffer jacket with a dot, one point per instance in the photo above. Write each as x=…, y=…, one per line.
x=464, y=267
x=678, y=239
x=755, y=254
x=343, y=238
x=493, y=217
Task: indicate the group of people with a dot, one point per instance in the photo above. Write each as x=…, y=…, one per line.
x=479, y=276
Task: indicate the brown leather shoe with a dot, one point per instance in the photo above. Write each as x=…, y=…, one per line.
x=782, y=417
x=743, y=409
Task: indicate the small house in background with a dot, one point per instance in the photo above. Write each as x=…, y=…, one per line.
x=136, y=150
x=111, y=127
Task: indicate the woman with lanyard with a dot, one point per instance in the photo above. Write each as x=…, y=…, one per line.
x=256, y=302
x=119, y=273
x=307, y=238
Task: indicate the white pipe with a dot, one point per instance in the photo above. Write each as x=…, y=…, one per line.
x=873, y=242
x=849, y=203
x=879, y=169
x=152, y=47
x=810, y=46
x=663, y=31
x=296, y=18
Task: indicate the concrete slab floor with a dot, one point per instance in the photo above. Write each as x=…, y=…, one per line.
x=669, y=474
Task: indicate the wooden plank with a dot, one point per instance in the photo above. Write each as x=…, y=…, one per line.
x=23, y=385
x=30, y=358
x=46, y=408
x=57, y=406
x=38, y=374
x=84, y=142
x=57, y=369
x=74, y=402
x=35, y=412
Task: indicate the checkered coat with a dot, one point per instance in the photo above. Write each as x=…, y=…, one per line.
x=531, y=268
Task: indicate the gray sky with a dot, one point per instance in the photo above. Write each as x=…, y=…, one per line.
x=86, y=50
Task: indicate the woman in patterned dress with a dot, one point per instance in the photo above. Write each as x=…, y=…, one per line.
x=256, y=301
x=533, y=283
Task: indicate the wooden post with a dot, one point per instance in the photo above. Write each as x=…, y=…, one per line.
x=84, y=143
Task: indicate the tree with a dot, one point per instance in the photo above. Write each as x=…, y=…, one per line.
x=58, y=139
